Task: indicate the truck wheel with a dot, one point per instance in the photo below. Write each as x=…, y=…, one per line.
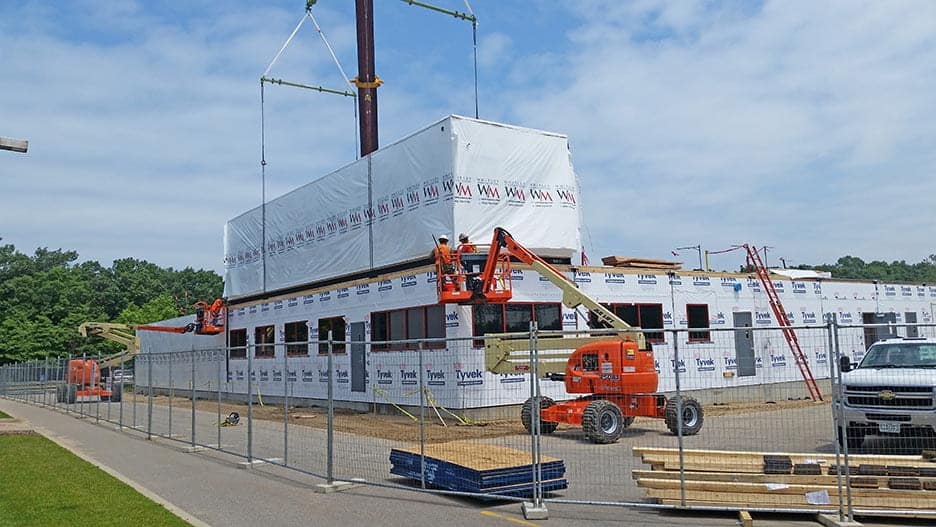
x=116, y=392
x=691, y=415
x=602, y=422
x=526, y=415
x=61, y=392
x=854, y=435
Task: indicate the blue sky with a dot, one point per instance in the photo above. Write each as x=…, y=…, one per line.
x=806, y=126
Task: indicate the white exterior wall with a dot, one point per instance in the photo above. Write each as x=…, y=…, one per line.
x=456, y=375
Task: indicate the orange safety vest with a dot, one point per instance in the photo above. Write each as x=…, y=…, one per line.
x=443, y=253
x=467, y=248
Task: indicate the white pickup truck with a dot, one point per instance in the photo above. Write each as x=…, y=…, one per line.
x=891, y=392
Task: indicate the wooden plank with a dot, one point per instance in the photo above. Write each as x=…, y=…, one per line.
x=477, y=456
x=797, y=457
x=745, y=518
x=754, y=489
x=756, y=461
x=743, y=500
x=741, y=477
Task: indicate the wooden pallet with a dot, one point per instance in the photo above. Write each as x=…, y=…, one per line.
x=737, y=480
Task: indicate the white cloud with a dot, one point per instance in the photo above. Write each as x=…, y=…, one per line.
x=793, y=125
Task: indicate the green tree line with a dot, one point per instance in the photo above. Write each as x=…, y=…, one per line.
x=896, y=271
x=46, y=295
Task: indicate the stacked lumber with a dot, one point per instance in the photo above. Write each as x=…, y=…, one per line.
x=641, y=263
x=466, y=466
x=779, y=480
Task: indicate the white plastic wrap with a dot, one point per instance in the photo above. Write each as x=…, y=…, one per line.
x=457, y=175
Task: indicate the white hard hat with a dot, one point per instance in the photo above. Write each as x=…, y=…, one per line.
x=443, y=237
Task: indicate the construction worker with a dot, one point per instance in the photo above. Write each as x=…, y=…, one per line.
x=443, y=255
x=465, y=246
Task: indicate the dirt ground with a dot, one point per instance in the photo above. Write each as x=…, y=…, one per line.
x=404, y=428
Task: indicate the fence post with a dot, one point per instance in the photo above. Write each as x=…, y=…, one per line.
x=193, y=400
x=171, y=356
x=97, y=407
x=679, y=422
x=286, y=403
x=84, y=382
x=123, y=375
x=331, y=410
x=836, y=401
x=149, y=396
x=67, y=388
x=250, y=404
x=422, y=422
x=535, y=510
x=843, y=429
x=222, y=359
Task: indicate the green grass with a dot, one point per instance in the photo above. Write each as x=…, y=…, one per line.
x=44, y=484
x=4, y=416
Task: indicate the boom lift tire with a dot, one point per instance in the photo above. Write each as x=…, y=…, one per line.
x=691, y=415
x=116, y=392
x=526, y=415
x=602, y=422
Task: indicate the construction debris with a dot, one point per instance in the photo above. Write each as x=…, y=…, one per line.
x=641, y=263
x=752, y=480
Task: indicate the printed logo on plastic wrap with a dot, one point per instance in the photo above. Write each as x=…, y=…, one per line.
x=515, y=193
x=540, y=195
x=331, y=226
x=906, y=291
x=434, y=376
x=569, y=320
x=729, y=281
x=730, y=363
x=582, y=277
x=278, y=304
x=704, y=364
x=675, y=279
x=778, y=361
x=511, y=378
x=362, y=289
x=384, y=208
x=798, y=287
x=821, y=357
x=488, y=191
x=921, y=291
x=890, y=290
x=932, y=292
x=701, y=281
x=308, y=299
x=431, y=277
x=462, y=190
x=718, y=319
x=754, y=285
x=321, y=230
x=469, y=377
x=667, y=319
x=356, y=218
x=430, y=192
x=412, y=197
x=397, y=203
x=647, y=279
x=614, y=278
x=384, y=286
x=778, y=285
x=408, y=377
x=408, y=280
x=680, y=366
x=384, y=377
x=292, y=302
x=566, y=195
x=451, y=319
x=343, y=292
x=324, y=296
x=448, y=187
x=763, y=318
x=809, y=317
x=844, y=317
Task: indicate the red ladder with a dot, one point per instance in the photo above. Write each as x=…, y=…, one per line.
x=780, y=313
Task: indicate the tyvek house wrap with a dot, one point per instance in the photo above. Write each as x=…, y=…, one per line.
x=457, y=175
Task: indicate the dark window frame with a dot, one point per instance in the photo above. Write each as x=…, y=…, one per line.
x=503, y=317
x=656, y=337
x=698, y=336
x=263, y=348
x=236, y=344
x=339, y=336
x=297, y=345
x=382, y=320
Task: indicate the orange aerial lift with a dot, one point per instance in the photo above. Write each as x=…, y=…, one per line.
x=615, y=374
x=83, y=376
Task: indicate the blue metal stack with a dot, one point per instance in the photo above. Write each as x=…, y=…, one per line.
x=478, y=468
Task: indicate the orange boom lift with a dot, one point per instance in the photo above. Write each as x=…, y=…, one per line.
x=83, y=376
x=615, y=374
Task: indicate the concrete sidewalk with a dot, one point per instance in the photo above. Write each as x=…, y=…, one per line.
x=210, y=487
